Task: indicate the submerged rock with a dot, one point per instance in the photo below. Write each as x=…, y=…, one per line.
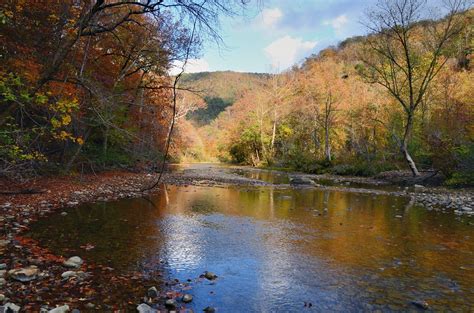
x=421, y=304
x=187, y=298
x=210, y=275
x=24, y=274
x=74, y=262
x=171, y=304
x=209, y=309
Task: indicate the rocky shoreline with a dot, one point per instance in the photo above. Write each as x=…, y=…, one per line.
x=33, y=279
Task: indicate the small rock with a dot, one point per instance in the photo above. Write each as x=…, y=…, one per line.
x=24, y=274
x=171, y=304
x=63, y=213
x=152, y=292
x=10, y=308
x=74, y=261
x=2, y=298
x=90, y=305
x=3, y=266
x=145, y=308
x=421, y=304
x=187, y=298
x=2, y=281
x=301, y=181
x=466, y=208
x=76, y=311
x=2, y=273
x=210, y=275
x=419, y=186
x=69, y=274
x=60, y=309
x=4, y=242
x=209, y=309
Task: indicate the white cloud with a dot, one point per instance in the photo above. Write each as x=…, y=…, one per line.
x=270, y=17
x=192, y=66
x=338, y=23
x=286, y=51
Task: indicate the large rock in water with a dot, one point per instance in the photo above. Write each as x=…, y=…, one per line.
x=299, y=180
x=24, y=274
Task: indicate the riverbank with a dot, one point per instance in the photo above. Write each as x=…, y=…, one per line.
x=42, y=279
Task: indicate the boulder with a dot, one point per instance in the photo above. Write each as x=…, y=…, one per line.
x=24, y=274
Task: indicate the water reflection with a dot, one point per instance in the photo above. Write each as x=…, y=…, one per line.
x=276, y=249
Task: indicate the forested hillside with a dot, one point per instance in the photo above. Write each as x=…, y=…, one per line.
x=364, y=106
x=219, y=90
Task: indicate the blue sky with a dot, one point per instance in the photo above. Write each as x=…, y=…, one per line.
x=281, y=33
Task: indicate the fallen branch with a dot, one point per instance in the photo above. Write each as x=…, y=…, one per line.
x=22, y=191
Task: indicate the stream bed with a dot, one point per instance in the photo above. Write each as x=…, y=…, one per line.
x=279, y=249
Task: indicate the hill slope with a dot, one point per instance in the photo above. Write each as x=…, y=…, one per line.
x=219, y=90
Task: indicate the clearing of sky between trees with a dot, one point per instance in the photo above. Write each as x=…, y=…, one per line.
x=368, y=140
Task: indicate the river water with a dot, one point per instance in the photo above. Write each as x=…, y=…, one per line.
x=277, y=249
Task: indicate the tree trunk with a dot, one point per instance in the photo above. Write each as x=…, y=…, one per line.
x=327, y=145
x=404, y=145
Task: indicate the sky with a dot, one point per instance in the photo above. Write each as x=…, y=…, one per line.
x=281, y=33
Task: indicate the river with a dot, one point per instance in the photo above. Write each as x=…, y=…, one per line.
x=279, y=249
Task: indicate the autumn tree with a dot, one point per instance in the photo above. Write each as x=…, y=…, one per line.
x=406, y=51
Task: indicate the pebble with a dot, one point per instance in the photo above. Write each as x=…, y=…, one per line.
x=60, y=309
x=187, y=298
x=69, y=274
x=209, y=309
x=171, y=304
x=10, y=307
x=74, y=261
x=152, y=292
x=145, y=308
